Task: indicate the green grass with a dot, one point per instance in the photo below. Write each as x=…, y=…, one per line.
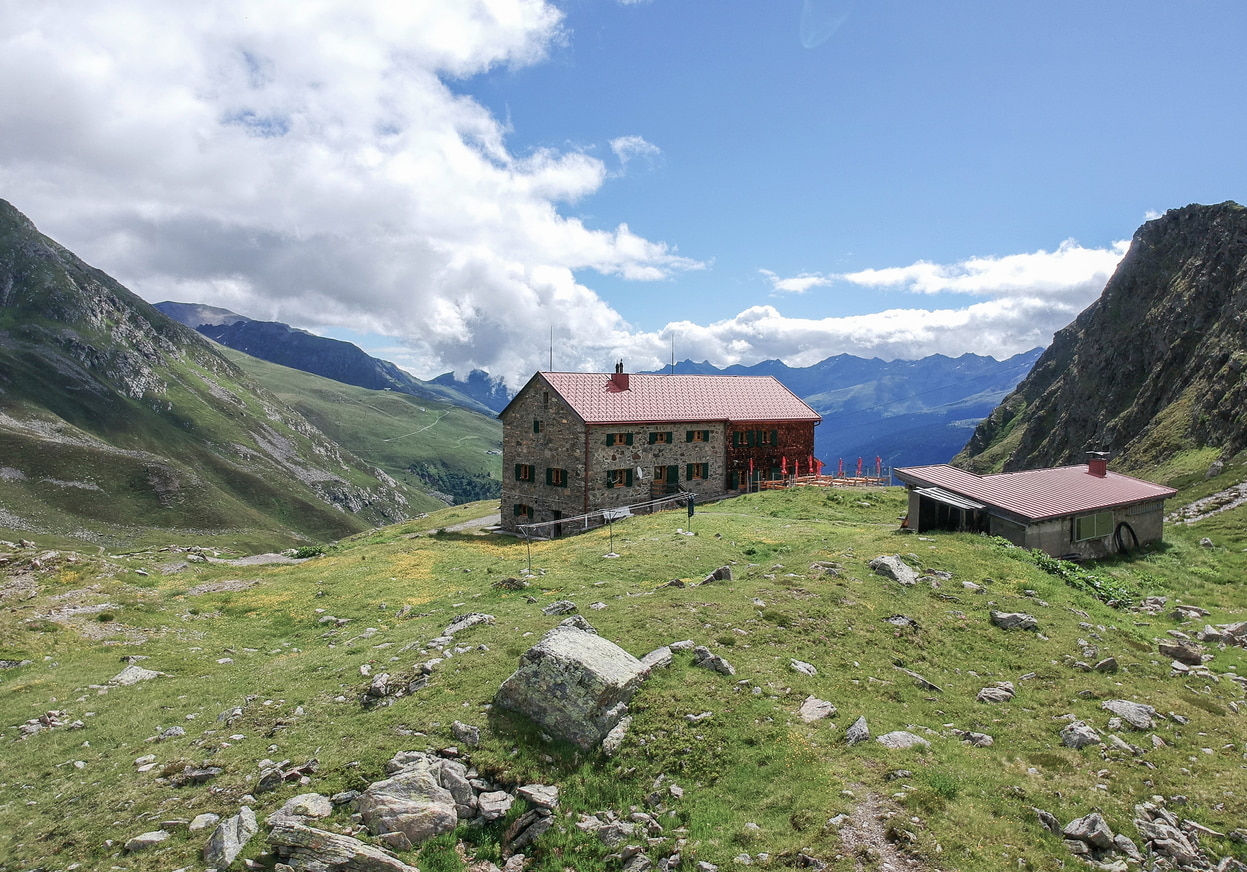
x=752, y=762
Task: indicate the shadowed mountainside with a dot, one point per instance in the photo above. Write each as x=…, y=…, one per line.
x=1151, y=369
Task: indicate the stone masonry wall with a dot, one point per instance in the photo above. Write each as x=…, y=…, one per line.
x=647, y=456
x=559, y=445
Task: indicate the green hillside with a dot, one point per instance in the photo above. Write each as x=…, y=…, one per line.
x=271, y=662
x=423, y=444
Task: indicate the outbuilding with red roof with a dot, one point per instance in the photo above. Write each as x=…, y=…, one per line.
x=575, y=443
x=1085, y=511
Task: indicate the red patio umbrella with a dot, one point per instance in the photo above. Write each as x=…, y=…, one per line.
x=840, y=473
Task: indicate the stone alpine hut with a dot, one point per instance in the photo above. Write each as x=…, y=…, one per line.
x=576, y=442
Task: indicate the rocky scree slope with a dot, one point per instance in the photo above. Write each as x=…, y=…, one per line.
x=1153, y=367
x=110, y=410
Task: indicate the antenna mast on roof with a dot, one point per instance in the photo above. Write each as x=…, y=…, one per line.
x=672, y=353
x=551, y=348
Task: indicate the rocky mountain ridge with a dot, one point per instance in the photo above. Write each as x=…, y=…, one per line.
x=111, y=413
x=1154, y=367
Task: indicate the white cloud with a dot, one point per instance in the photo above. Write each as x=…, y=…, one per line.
x=798, y=284
x=1040, y=272
x=628, y=147
x=311, y=162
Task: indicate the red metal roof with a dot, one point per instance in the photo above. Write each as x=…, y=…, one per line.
x=1039, y=494
x=657, y=398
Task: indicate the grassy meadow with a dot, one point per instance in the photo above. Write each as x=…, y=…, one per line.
x=756, y=778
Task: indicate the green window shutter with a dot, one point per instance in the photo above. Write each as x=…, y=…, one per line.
x=549, y=475
x=653, y=437
x=688, y=435
x=753, y=438
x=610, y=438
x=628, y=478
x=628, y=439
x=610, y=480
x=518, y=477
x=774, y=437
x=688, y=472
x=563, y=478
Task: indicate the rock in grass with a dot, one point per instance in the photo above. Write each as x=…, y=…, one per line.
x=143, y=841
x=229, y=838
x=1092, y=830
x=803, y=667
x=574, y=684
x=561, y=607
x=412, y=802
x=891, y=566
x=815, y=709
x=703, y=657
x=1137, y=714
x=1014, y=620
x=292, y=841
x=1079, y=735
x=858, y=732
x=900, y=740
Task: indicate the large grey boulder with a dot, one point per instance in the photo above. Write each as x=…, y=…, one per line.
x=900, y=740
x=1092, y=829
x=575, y=685
x=229, y=838
x=891, y=566
x=412, y=802
x=1079, y=735
x=306, y=848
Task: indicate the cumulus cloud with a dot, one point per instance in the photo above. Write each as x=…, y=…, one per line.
x=311, y=162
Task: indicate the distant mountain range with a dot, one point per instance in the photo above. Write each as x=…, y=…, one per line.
x=332, y=358
x=1154, y=368
x=905, y=412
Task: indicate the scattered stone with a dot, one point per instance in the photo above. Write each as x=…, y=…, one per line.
x=1182, y=650
x=229, y=838
x=1079, y=735
x=578, y=622
x=1138, y=715
x=659, y=658
x=203, y=821
x=510, y=584
x=133, y=675
x=723, y=573
x=307, y=849
x=858, y=732
x=1048, y=821
x=494, y=804
x=526, y=829
x=903, y=622
x=459, y=623
x=891, y=566
x=815, y=709
x=703, y=657
x=301, y=808
x=1013, y=620
x=561, y=607
x=143, y=841
x=900, y=740
x=973, y=739
x=465, y=734
x=540, y=795
x=1000, y=691
x=1091, y=830
x=575, y=684
x=803, y=667
x=613, y=740
x=1108, y=664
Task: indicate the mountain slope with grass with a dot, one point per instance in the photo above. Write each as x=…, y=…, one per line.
x=331, y=358
x=118, y=425
x=437, y=447
x=267, y=668
x=1152, y=371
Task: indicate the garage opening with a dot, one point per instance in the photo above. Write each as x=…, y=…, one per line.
x=940, y=509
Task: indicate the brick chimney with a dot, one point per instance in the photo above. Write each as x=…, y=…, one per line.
x=1097, y=463
x=619, y=380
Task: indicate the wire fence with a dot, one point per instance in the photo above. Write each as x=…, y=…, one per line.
x=600, y=517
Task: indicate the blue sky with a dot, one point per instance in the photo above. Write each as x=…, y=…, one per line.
x=447, y=183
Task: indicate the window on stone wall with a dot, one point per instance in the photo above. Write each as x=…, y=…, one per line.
x=1095, y=526
x=696, y=472
x=523, y=512
x=537, y=425
x=663, y=438
x=618, y=438
x=619, y=478
x=556, y=477
x=697, y=436
x=523, y=472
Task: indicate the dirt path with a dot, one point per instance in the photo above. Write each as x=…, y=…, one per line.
x=865, y=837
